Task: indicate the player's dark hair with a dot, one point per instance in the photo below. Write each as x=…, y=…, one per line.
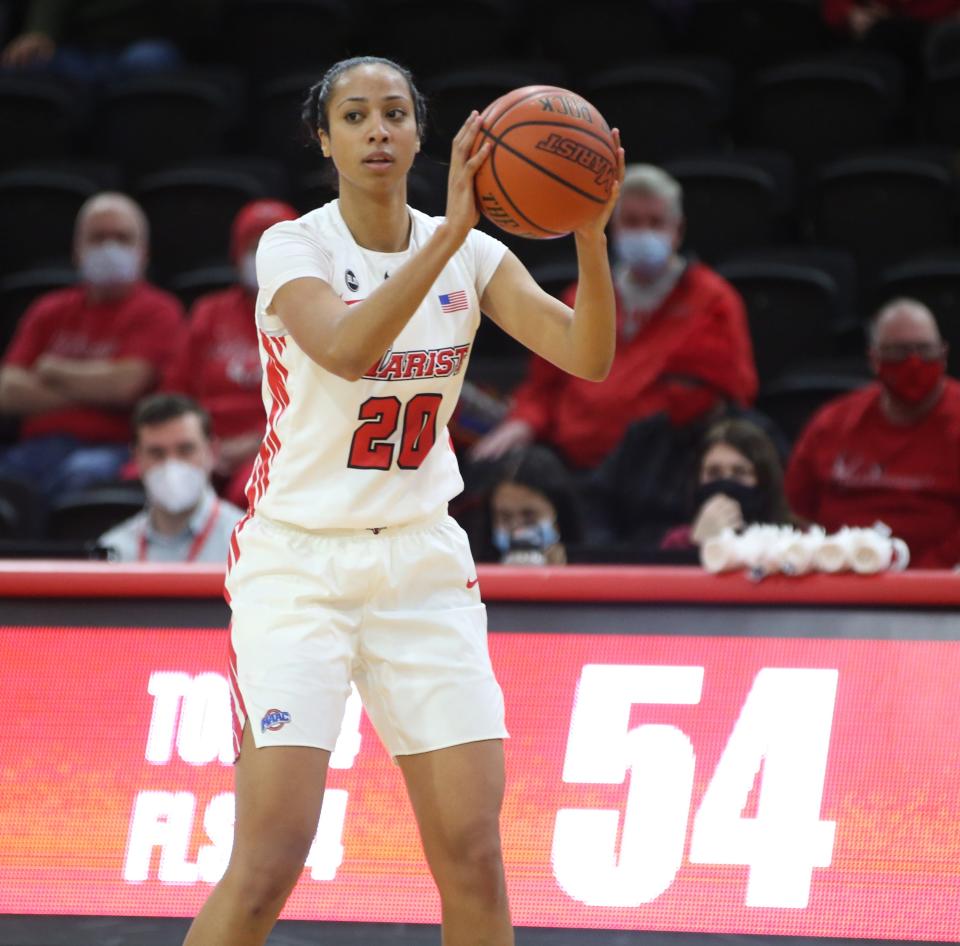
x=315, y=111
x=159, y=408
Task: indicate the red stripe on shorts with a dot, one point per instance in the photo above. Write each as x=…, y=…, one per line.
x=239, y=711
x=276, y=382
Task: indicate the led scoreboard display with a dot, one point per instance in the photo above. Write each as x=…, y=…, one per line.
x=676, y=762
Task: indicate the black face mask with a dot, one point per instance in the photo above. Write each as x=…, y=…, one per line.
x=752, y=499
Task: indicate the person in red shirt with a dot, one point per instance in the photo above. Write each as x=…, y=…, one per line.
x=683, y=344
x=82, y=356
x=889, y=452
x=218, y=360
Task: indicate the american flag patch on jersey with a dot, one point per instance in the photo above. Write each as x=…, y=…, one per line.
x=454, y=301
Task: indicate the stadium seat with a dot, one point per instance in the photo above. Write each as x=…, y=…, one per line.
x=665, y=109
x=18, y=291
x=759, y=32
x=154, y=121
x=37, y=214
x=84, y=516
x=21, y=507
x=940, y=107
x=194, y=283
x=37, y=119
x=941, y=47
x=432, y=38
x=935, y=281
x=792, y=309
x=734, y=202
x=791, y=401
x=452, y=96
x=190, y=212
x=274, y=37
x=883, y=208
x=275, y=125
x=821, y=109
x=614, y=32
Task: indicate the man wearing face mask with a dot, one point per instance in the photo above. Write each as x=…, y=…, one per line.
x=891, y=450
x=218, y=361
x=683, y=345
x=82, y=356
x=184, y=520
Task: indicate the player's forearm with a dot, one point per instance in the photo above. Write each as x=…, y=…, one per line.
x=366, y=330
x=592, y=330
x=22, y=393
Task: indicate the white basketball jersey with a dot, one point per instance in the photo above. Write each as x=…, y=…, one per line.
x=375, y=452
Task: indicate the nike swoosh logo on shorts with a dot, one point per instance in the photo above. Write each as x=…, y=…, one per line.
x=472, y=582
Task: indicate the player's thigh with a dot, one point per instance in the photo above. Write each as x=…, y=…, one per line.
x=456, y=794
x=279, y=792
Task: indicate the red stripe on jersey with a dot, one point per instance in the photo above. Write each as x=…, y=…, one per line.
x=276, y=375
x=233, y=553
x=238, y=709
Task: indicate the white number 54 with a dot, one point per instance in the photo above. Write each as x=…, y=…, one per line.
x=784, y=726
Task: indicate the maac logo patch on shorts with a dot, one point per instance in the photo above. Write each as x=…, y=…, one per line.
x=274, y=719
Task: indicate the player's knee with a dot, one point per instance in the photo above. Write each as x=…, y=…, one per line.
x=262, y=883
x=474, y=862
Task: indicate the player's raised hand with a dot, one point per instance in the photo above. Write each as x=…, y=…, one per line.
x=598, y=224
x=462, y=212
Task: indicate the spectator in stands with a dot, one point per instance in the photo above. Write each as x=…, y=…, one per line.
x=218, y=362
x=531, y=511
x=860, y=17
x=82, y=356
x=184, y=521
x=890, y=451
x=738, y=481
x=95, y=42
x=683, y=344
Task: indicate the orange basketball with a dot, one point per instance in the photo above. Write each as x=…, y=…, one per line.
x=551, y=165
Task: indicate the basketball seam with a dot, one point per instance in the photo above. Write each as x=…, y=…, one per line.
x=526, y=98
x=510, y=200
x=540, y=167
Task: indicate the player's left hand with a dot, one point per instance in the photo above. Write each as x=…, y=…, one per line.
x=598, y=225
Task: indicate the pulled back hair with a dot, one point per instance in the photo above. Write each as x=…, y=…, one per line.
x=315, y=111
x=752, y=442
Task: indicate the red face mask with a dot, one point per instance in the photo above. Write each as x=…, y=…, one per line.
x=911, y=379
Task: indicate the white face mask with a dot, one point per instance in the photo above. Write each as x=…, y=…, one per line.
x=247, y=271
x=646, y=252
x=174, y=486
x=110, y=264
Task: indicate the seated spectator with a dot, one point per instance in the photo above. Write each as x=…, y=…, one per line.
x=218, y=362
x=860, y=17
x=738, y=481
x=82, y=357
x=890, y=452
x=184, y=521
x=683, y=344
x=95, y=42
x=531, y=511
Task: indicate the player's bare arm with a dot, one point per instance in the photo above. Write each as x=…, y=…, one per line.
x=346, y=340
x=580, y=340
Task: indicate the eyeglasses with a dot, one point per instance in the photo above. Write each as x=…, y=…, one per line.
x=898, y=351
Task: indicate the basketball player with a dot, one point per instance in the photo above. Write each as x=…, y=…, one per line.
x=347, y=565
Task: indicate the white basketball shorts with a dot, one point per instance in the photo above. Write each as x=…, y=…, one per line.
x=397, y=611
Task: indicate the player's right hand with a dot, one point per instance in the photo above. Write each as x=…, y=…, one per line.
x=462, y=213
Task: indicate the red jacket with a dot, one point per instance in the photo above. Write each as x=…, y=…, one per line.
x=146, y=323
x=836, y=12
x=699, y=332
x=852, y=467
x=218, y=362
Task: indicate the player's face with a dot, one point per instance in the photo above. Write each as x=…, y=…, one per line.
x=181, y=438
x=723, y=462
x=373, y=130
